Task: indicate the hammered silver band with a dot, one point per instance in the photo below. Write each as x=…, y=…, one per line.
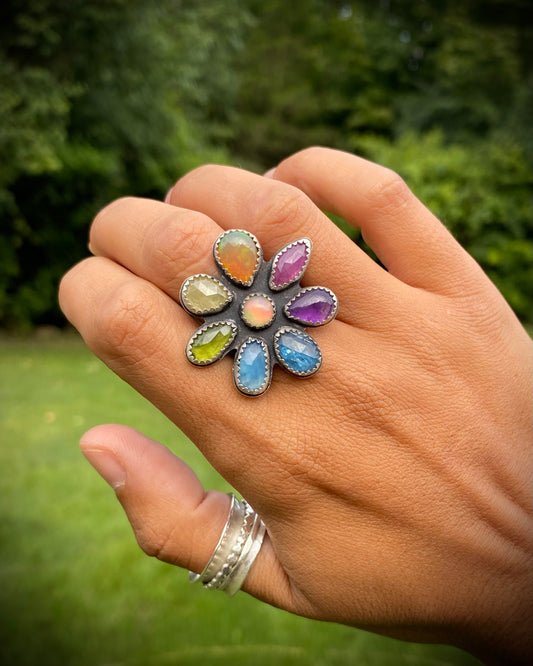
x=236, y=550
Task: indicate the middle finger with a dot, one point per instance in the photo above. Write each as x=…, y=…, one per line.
x=166, y=244
x=278, y=213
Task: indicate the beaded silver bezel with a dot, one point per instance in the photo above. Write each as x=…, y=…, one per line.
x=201, y=313
x=242, y=332
x=237, y=364
x=309, y=323
x=279, y=358
x=309, y=246
x=222, y=352
x=259, y=257
x=255, y=295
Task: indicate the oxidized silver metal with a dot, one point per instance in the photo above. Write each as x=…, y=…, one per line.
x=255, y=377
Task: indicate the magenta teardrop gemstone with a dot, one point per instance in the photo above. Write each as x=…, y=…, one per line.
x=290, y=263
x=313, y=306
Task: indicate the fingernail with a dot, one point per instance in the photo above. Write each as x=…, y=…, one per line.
x=107, y=466
x=168, y=195
x=270, y=173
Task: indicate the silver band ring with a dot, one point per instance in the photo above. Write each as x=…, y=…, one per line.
x=236, y=550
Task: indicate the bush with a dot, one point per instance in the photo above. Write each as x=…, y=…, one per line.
x=481, y=190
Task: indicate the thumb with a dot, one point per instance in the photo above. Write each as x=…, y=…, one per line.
x=172, y=516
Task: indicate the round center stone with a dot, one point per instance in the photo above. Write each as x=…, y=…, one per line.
x=257, y=311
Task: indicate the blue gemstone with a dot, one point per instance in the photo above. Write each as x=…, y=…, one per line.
x=252, y=363
x=297, y=352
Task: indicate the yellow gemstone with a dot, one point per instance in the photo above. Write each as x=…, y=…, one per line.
x=210, y=342
x=237, y=254
x=204, y=294
x=257, y=311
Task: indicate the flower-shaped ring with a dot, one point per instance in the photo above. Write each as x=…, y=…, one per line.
x=257, y=309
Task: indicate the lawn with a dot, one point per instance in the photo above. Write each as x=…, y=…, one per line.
x=75, y=589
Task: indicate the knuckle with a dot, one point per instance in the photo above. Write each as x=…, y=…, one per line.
x=281, y=205
x=151, y=541
x=390, y=194
x=178, y=247
x=125, y=322
x=158, y=541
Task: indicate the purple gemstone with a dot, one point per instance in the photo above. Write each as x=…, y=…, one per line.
x=313, y=306
x=290, y=264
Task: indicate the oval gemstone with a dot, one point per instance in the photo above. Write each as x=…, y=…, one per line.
x=204, y=294
x=289, y=264
x=257, y=311
x=238, y=254
x=252, y=368
x=297, y=352
x=210, y=342
x=313, y=306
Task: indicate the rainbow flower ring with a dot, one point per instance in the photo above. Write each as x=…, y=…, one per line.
x=258, y=310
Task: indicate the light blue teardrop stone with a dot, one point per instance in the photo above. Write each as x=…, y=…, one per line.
x=298, y=352
x=252, y=373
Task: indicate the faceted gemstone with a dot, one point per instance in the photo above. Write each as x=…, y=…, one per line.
x=210, y=342
x=313, y=306
x=257, y=311
x=204, y=294
x=290, y=263
x=251, y=369
x=238, y=255
x=297, y=352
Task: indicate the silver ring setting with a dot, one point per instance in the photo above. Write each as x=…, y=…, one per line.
x=236, y=550
x=257, y=311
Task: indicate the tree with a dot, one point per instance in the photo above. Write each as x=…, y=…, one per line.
x=99, y=99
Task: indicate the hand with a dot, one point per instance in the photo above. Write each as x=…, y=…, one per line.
x=394, y=483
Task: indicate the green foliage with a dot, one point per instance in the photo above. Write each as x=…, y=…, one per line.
x=111, y=97
x=482, y=192
x=325, y=70
x=98, y=100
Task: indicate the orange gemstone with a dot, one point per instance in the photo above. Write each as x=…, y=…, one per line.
x=238, y=256
x=257, y=311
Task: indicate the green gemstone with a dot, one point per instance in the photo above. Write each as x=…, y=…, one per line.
x=210, y=342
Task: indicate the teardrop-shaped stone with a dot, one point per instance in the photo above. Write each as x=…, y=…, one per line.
x=204, y=294
x=251, y=370
x=210, y=342
x=289, y=264
x=314, y=306
x=238, y=254
x=297, y=352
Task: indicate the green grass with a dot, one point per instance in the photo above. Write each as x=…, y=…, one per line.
x=75, y=589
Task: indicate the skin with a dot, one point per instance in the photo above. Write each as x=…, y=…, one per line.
x=395, y=483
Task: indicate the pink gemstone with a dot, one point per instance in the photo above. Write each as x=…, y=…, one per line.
x=289, y=264
x=313, y=306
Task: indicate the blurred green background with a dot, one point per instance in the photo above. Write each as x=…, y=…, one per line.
x=101, y=98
